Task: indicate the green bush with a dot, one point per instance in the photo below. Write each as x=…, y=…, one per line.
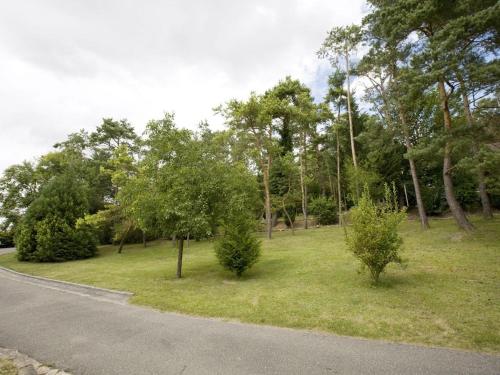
x=324, y=209
x=6, y=239
x=238, y=249
x=374, y=237
x=48, y=231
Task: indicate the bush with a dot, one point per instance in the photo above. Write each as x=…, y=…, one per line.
x=374, y=238
x=6, y=239
x=48, y=231
x=238, y=249
x=324, y=209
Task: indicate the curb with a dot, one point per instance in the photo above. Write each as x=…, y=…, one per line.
x=28, y=366
x=73, y=287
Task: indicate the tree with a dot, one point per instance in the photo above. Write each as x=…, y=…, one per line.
x=287, y=193
x=374, y=237
x=19, y=186
x=392, y=96
x=189, y=184
x=238, y=249
x=341, y=42
x=252, y=123
x=49, y=232
x=307, y=117
x=335, y=96
x=432, y=21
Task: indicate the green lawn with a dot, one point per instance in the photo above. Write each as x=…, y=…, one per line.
x=449, y=295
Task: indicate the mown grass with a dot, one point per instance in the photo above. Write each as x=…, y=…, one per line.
x=449, y=294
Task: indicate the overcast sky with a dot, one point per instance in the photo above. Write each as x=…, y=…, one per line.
x=64, y=65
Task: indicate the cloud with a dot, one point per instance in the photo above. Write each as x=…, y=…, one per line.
x=64, y=65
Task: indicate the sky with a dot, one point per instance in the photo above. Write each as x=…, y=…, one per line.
x=66, y=64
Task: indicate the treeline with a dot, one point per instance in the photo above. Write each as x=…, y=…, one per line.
x=432, y=130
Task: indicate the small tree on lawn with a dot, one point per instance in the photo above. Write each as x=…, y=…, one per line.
x=374, y=237
x=185, y=184
x=238, y=249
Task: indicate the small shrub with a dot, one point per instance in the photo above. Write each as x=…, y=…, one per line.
x=238, y=249
x=374, y=237
x=324, y=209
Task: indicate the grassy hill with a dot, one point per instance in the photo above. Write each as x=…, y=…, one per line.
x=448, y=295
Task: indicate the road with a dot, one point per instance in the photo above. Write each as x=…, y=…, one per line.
x=88, y=333
x=5, y=250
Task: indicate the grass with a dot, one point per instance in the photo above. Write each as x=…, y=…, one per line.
x=449, y=295
x=7, y=367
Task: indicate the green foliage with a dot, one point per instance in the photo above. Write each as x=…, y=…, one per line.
x=238, y=249
x=19, y=186
x=324, y=209
x=6, y=239
x=358, y=177
x=374, y=238
x=48, y=231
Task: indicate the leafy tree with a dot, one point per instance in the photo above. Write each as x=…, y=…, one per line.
x=48, y=231
x=189, y=182
x=19, y=186
x=252, y=123
x=374, y=237
x=288, y=193
x=112, y=134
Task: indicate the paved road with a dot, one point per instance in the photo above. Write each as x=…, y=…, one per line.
x=5, y=250
x=93, y=335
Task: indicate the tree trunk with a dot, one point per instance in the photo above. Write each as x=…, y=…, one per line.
x=424, y=222
x=122, y=240
x=349, y=114
x=179, y=257
x=455, y=208
x=483, y=194
x=303, y=186
x=267, y=204
x=485, y=199
x=144, y=243
x=288, y=216
x=338, y=178
x=406, y=195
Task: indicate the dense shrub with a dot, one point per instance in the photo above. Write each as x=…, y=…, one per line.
x=238, y=249
x=48, y=231
x=324, y=209
x=6, y=239
x=374, y=237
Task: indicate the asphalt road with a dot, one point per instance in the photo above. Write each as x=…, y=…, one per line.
x=91, y=334
x=5, y=250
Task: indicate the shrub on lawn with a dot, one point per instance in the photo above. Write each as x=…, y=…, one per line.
x=238, y=249
x=324, y=210
x=48, y=231
x=374, y=237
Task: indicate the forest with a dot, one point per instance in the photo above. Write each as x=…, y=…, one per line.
x=425, y=126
